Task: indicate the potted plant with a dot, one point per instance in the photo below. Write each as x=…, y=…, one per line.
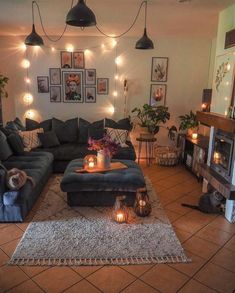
x=3, y=83
x=150, y=117
x=188, y=122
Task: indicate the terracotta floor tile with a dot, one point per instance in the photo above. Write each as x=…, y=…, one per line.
x=226, y=259
x=11, y=276
x=10, y=247
x=182, y=235
x=217, y=278
x=189, y=268
x=221, y=223
x=231, y=244
x=137, y=270
x=26, y=287
x=177, y=208
x=57, y=279
x=172, y=216
x=139, y=286
x=201, y=247
x=111, y=279
x=4, y=225
x=3, y=258
x=164, y=278
x=85, y=271
x=188, y=224
x=213, y=234
x=32, y=271
x=23, y=226
x=10, y=233
x=195, y=287
x=82, y=287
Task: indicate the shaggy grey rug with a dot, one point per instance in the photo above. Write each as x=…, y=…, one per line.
x=61, y=235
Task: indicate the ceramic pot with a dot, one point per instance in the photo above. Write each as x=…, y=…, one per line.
x=144, y=132
x=103, y=160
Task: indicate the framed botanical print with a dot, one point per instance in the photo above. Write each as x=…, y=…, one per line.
x=66, y=59
x=55, y=76
x=43, y=84
x=55, y=94
x=78, y=60
x=159, y=69
x=158, y=94
x=102, y=86
x=90, y=94
x=90, y=76
x=72, y=86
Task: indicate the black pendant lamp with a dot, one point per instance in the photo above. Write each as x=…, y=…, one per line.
x=81, y=15
x=144, y=43
x=33, y=39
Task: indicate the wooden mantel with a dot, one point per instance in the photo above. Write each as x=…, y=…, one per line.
x=217, y=120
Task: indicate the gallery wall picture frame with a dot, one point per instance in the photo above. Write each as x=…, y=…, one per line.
x=55, y=94
x=159, y=69
x=90, y=94
x=102, y=86
x=78, y=60
x=73, y=82
x=66, y=59
x=90, y=76
x=55, y=76
x=43, y=84
x=158, y=94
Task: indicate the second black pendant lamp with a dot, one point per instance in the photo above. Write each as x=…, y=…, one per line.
x=81, y=15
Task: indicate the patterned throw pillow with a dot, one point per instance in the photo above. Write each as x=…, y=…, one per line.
x=30, y=138
x=118, y=135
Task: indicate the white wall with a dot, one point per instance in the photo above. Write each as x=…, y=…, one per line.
x=188, y=74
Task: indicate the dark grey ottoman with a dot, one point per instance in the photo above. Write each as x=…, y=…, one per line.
x=101, y=189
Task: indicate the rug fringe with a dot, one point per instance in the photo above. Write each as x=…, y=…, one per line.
x=97, y=262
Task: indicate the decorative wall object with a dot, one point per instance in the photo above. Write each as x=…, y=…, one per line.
x=90, y=76
x=55, y=94
x=66, y=59
x=159, y=69
x=90, y=94
x=43, y=84
x=221, y=72
x=158, y=94
x=55, y=76
x=102, y=86
x=78, y=60
x=73, y=86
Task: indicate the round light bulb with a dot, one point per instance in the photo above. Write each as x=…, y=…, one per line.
x=111, y=110
x=227, y=83
x=70, y=48
x=52, y=49
x=116, y=76
x=102, y=46
x=115, y=93
x=30, y=114
x=25, y=63
x=228, y=66
x=226, y=98
x=27, y=80
x=114, y=43
x=118, y=60
x=23, y=47
x=28, y=98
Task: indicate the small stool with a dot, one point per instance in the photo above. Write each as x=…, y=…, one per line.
x=149, y=144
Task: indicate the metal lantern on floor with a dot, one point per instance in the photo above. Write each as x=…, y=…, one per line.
x=90, y=162
x=120, y=213
x=142, y=206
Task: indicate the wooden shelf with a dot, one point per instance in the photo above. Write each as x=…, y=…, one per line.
x=202, y=141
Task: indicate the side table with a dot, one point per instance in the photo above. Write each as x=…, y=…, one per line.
x=149, y=144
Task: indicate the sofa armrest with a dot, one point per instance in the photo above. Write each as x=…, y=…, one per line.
x=2, y=184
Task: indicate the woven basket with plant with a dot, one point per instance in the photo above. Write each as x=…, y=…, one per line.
x=167, y=155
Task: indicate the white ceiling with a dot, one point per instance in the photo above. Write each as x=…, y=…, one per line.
x=196, y=18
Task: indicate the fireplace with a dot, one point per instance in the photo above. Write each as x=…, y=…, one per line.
x=222, y=155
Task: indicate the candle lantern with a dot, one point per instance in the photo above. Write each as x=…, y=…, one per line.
x=90, y=162
x=120, y=213
x=142, y=206
x=194, y=135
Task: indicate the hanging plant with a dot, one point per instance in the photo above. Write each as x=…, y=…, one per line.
x=3, y=83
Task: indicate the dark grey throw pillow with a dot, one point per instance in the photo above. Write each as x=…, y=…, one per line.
x=5, y=150
x=32, y=124
x=124, y=124
x=19, y=124
x=66, y=131
x=48, y=139
x=16, y=143
x=85, y=127
x=95, y=133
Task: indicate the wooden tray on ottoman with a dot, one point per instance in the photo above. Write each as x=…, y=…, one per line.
x=113, y=166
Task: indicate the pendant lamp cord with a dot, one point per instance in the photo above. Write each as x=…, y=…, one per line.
x=43, y=28
x=131, y=26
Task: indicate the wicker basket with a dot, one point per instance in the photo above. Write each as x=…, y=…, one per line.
x=167, y=155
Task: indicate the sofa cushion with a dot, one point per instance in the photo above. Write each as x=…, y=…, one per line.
x=5, y=150
x=118, y=135
x=121, y=124
x=85, y=127
x=19, y=124
x=2, y=183
x=32, y=124
x=16, y=143
x=66, y=131
x=49, y=139
x=94, y=133
x=30, y=138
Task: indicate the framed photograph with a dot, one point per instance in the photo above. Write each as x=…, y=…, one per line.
x=72, y=86
x=55, y=94
x=102, y=86
x=90, y=95
x=158, y=94
x=55, y=76
x=78, y=60
x=43, y=84
x=159, y=69
x=90, y=76
x=66, y=59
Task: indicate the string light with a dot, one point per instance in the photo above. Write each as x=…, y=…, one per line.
x=111, y=110
x=116, y=76
x=228, y=66
x=27, y=80
x=118, y=60
x=115, y=93
x=70, y=48
x=23, y=47
x=102, y=46
x=114, y=43
x=30, y=114
x=52, y=49
x=25, y=63
x=227, y=83
x=226, y=98
x=28, y=99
